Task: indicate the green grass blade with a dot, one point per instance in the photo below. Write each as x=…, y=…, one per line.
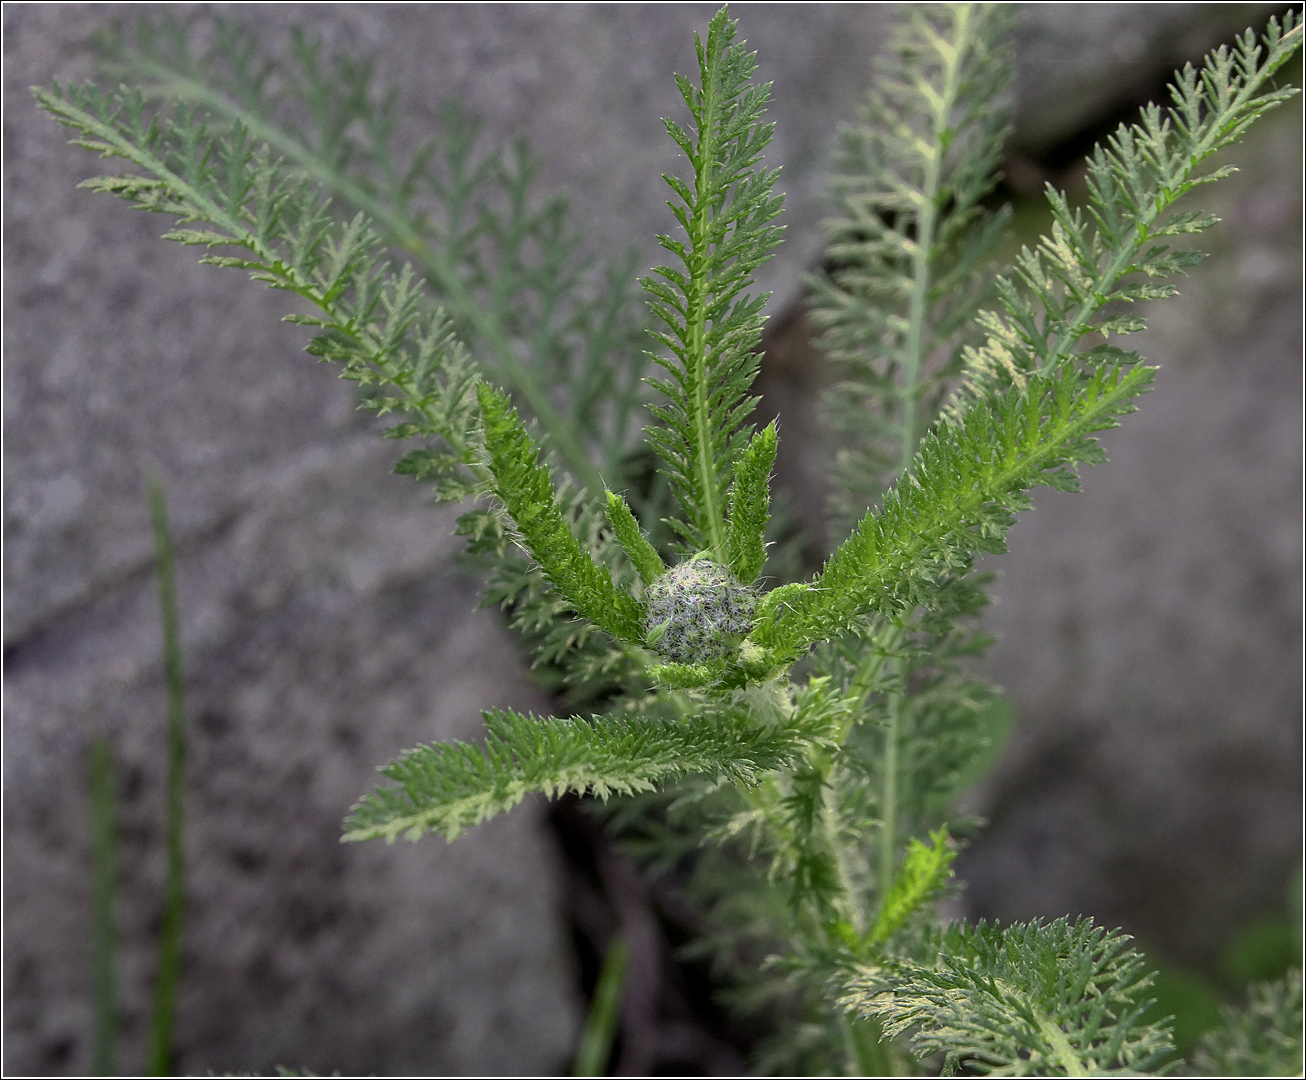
x=601, y=1024
x=165, y=987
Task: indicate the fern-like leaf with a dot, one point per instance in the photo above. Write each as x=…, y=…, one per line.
x=449, y=787
x=368, y=318
x=750, y=505
x=643, y=555
x=562, y=332
x=1061, y=999
x=1114, y=254
x=712, y=325
x=969, y=481
x=911, y=238
x=926, y=869
x=1262, y=1039
x=526, y=489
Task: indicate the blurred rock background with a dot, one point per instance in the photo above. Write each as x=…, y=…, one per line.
x=1149, y=627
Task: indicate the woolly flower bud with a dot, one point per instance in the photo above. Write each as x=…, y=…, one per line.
x=697, y=612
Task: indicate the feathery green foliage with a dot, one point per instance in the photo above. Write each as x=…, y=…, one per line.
x=449, y=787
x=817, y=733
x=910, y=236
x=526, y=490
x=750, y=506
x=969, y=481
x=1112, y=255
x=925, y=871
x=501, y=261
x=643, y=555
x=712, y=324
x=1263, y=1039
x=368, y=319
x=1061, y=999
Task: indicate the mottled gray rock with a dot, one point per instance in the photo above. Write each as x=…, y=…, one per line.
x=325, y=626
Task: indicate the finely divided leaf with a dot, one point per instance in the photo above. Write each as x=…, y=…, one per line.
x=563, y=333
x=911, y=241
x=969, y=481
x=1262, y=1039
x=1063, y=999
x=750, y=505
x=369, y=318
x=526, y=489
x=1110, y=253
x=712, y=325
x=449, y=787
x=643, y=555
x=925, y=871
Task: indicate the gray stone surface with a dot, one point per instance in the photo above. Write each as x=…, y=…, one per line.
x=326, y=628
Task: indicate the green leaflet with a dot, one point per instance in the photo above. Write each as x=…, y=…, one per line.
x=584, y=666
x=449, y=787
x=370, y=319
x=526, y=489
x=1062, y=999
x=643, y=555
x=502, y=261
x=1133, y=181
x=750, y=506
x=925, y=871
x=910, y=240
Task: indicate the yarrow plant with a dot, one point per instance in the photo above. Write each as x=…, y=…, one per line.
x=806, y=737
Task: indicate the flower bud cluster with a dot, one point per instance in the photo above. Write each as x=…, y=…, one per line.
x=697, y=612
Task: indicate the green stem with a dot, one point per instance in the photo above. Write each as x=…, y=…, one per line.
x=174, y=898
x=911, y=367
x=869, y=1053
x=853, y=908
x=104, y=850
x=439, y=268
x=601, y=1024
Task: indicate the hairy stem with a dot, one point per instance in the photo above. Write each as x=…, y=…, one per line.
x=911, y=366
x=1063, y=1053
x=854, y=909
